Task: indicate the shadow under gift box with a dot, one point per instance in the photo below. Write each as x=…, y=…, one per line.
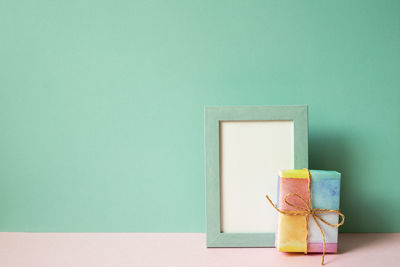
x=325, y=194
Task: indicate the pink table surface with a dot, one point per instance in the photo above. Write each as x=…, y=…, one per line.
x=180, y=249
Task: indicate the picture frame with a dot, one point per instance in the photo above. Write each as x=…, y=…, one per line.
x=240, y=142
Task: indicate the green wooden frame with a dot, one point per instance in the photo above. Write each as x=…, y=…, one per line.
x=213, y=116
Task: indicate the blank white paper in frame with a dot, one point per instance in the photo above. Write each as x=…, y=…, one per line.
x=251, y=153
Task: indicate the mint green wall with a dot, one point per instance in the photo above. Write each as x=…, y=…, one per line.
x=101, y=104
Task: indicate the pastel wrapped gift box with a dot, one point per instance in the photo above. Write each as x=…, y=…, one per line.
x=308, y=206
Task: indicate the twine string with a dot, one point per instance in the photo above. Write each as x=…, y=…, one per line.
x=305, y=211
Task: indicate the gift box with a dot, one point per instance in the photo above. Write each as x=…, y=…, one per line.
x=308, y=206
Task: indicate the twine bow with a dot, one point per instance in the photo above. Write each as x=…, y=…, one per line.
x=305, y=211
